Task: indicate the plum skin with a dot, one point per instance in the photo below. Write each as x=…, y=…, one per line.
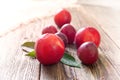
x=63, y=37
x=69, y=31
x=87, y=34
x=49, y=29
x=62, y=17
x=49, y=49
x=88, y=53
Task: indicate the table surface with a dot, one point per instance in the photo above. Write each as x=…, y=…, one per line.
x=14, y=65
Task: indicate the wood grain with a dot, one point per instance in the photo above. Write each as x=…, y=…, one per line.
x=14, y=65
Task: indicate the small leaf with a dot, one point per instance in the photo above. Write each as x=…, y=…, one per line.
x=29, y=44
x=70, y=60
x=31, y=54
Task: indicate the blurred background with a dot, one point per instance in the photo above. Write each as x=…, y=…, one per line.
x=13, y=12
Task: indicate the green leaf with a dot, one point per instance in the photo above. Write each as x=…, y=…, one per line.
x=31, y=54
x=70, y=60
x=29, y=44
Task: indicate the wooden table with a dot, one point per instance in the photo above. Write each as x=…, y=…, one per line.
x=14, y=65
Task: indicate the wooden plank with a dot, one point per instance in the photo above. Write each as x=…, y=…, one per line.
x=14, y=65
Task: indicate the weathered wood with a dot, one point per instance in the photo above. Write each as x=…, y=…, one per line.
x=14, y=65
